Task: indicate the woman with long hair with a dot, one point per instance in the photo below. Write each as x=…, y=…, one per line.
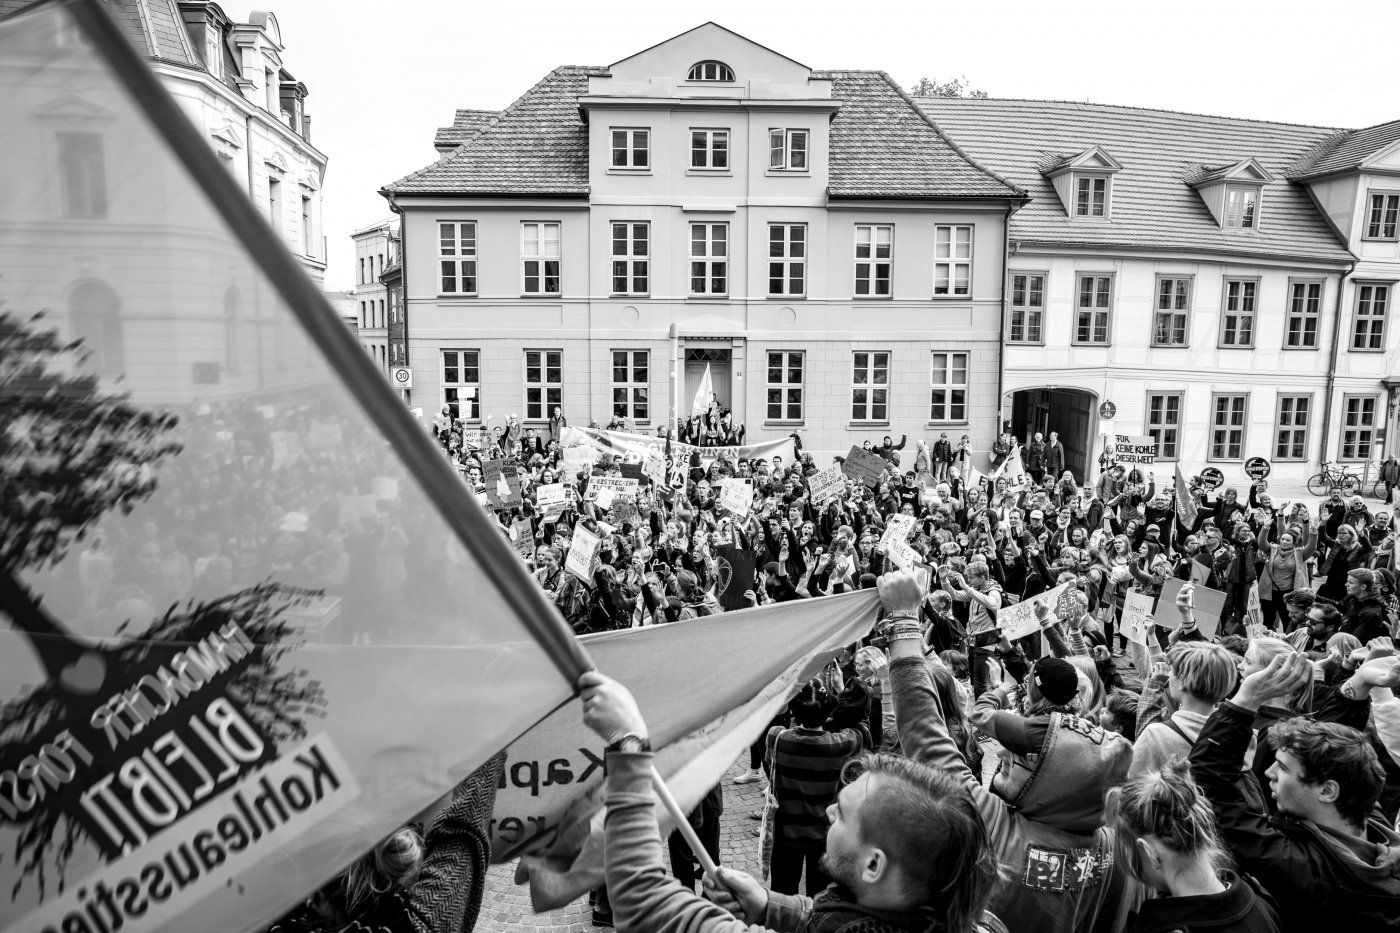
x=1168, y=839
x=1345, y=552
x=1285, y=568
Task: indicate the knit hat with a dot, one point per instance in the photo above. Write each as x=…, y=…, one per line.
x=1056, y=680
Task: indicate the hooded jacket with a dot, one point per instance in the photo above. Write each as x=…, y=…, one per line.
x=1237, y=909
x=1320, y=881
x=1365, y=618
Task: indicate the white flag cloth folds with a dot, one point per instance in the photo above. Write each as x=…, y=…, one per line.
x=707, y=688
x=701, y=403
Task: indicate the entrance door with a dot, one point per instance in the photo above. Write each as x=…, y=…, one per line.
x=695, y=363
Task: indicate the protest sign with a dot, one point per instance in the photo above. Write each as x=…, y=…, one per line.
x=736, y=496
x=897, y=529
x=1253, y=610
x=619, y=485
x=577, y=460
x=552, y=501
x=524, y=536
x=622, y=442
x=583, y=554
x=734, y=575
x=203, y=760
x=864, y=467
x=1209, y=604
x=1137, y=619
x=901, y=554
x=826, y=485
x=1135, y=449
x=1018, y=620
x=622, y=511
x=654, y=468
x=603, y=498
x=1013, y=471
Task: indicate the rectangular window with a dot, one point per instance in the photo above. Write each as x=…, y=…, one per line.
x=709, y=149
x=1358, y=426
x=631, y=245
x=874, y=255
x=1241, y=206
x=1381, y=221
x=1173, y=311
x=1091, y=196
x=952, y=260
x=709, y=259
x=1027, y=308
x=540, y=258
x=948, y=388
x=306, y=225
x=461, y=383
x=784, y=386
x=274, y=203
x=1368, y=327
x=787, y=150
x=1237, y=317
x=630, y=148
x=362, y=270
x=1164, y=422
x=1228, y=422
x=544, y=383
x=1304, y=306
x=1091, y=318
x=631, y=384
x=457, y=258
x=1291, y=429
x=787, y=259
x=870, y=381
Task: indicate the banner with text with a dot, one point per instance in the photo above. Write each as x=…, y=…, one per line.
x=634, y=448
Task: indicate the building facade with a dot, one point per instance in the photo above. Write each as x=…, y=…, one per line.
x=808, y=237
x=1223, y=283
x=376, y=248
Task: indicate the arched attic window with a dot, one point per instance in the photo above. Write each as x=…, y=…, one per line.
x=710, y=71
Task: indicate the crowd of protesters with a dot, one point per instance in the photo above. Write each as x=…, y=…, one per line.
x=1239, y=776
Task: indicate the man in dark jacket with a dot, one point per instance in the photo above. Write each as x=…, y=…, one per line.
x=942, y=457
x=1055, y=456
x=887, y=450
x=1324, y=858
x=1035, y=458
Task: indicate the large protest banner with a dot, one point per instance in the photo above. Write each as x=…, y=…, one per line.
x=640, y=445
x=550, y=808
x=200, y=749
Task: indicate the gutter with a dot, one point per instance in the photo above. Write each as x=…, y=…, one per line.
x=1001, y=330
x=1332, y=364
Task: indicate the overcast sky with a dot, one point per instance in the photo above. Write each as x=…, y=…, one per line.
x=384, y=76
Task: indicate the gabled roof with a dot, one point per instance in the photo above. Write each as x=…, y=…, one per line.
x=1153, y=205
x=1095, y=158
x=1246, y=170
x=882, y=146
x=465, y=125
x=1347, y=150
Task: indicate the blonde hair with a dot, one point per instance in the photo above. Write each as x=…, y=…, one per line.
x=1167, y=806
x=391, y=864
x=1205, y=670
x=1092, y=695
x=1263, y=650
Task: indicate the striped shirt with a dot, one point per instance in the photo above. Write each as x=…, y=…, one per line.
x=808, y=766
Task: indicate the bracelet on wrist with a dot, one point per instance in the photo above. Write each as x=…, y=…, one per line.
x=902, y=617
x=906, y=636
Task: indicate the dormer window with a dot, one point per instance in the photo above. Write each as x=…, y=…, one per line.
x=1233, y=194
x=1241, y=206
x=1085, y=183
x=710, y=71
x=1091, y=196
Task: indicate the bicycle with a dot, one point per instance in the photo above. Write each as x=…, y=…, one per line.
x=1331, y=477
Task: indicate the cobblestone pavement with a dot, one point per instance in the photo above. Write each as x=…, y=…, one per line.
x=506, y=906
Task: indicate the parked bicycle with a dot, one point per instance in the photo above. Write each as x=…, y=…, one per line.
x=1333, y=477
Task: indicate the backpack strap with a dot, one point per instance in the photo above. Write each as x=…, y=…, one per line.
x=1171, y=724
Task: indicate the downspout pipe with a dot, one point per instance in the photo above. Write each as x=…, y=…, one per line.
x=1001, y=330
x=1332, y=366
x=675, y=380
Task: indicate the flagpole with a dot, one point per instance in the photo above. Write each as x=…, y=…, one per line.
x=687, y=831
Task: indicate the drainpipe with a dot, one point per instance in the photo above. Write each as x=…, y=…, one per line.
x=1001, y=330
x=1332, y=365
x=675, y=378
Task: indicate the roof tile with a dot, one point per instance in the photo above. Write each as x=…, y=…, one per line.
x=1346, y=150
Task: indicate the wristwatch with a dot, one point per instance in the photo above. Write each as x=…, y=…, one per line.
x=630, y=743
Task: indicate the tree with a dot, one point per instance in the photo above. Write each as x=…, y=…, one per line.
x=958, y=87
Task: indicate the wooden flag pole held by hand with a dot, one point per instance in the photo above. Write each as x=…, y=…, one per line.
x=683, y=824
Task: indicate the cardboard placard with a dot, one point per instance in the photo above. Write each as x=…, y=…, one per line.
x=1137, y=624
x=897, y=529
x=620, y=486
x=623, y=510
x=552, y=500
x=736, y=496
x=865, y=467
x=578, y=460
x=1209, y=604
x=1134, y=448
x=523, y=534
x=826, y=485
x=734, y=576
x=654, y=468
x=1018, y=621
x=583, y=554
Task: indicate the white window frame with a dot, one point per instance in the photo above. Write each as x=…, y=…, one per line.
x=952, y=260
x=782, y=150
x=1087, y=201
x=1177, y=295
x=792, y=395
x=709, y=260
x=635, y=149
x=1243, y=306
x=634, y=259
x=1027, y=316
x=790, y=260
x=1382, y=215
x=948, y=395
x=1222, y=433
x=870, y=378
x=869, y=266
x=1292, y=426
x=1358, y=440
x=1369, y=315
x=464, y=361
x=710, y=149
x=457, y=250
x=541, y=257
x=1094, y=309
x=1159, y=425
x=1242, y=218
x=636, y=393
x=550, y=391
x=1303, y=306
x=721, y=71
